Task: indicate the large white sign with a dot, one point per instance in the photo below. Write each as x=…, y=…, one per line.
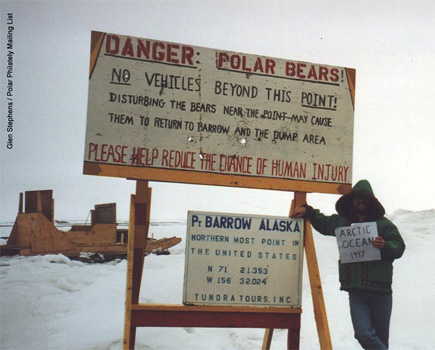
x=243, y=260
x=355, y=242
x=161, y=105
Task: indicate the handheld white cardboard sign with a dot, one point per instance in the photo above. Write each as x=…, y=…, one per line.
x=355, y=242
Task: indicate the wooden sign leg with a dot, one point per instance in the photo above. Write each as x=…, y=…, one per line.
x=140, y=206
x=141, y=227
x=315, y=283
x=293, y=339
x=293, y=336
x=320, y=316
x=267, y=339
x=129, y=332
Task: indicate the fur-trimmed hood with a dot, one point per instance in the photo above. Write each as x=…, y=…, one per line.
x=363, y=189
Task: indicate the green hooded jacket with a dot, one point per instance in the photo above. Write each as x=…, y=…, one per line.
x=372, y=275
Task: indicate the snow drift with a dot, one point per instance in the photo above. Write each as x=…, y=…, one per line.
x=52, y=302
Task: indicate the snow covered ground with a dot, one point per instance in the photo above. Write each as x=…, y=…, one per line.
x=51, y=302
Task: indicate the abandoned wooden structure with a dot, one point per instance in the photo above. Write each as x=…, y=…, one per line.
x=34, y=231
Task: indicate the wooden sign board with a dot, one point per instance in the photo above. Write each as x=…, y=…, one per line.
x=181, y=113
x=355, y=242
x=243, y=260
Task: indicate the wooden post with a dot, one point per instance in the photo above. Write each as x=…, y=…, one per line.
x=129, y=332
x=52, y=210
x=38, y=202
x=93, y=217
x=140, y=209
x=20, y=204
x=315, y=282
x=267, y=339
x=292, y=338
x=316, y=290
x=300, y=198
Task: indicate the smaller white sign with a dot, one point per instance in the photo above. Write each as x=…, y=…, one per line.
x=355, y=242
x=243, y=260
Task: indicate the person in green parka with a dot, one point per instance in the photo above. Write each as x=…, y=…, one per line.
x=368, y=283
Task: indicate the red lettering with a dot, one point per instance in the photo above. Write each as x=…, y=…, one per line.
x=235, y=62
x=303, y=71
x=290, y=69
x=157, y=54
x=258, y=66
x=222, y=57
x=109, y=40
x=107, y=153
x=128, y=48
x=121, y=150
x=172, y=54
x=103, y=152
x=178, y=159
x=114, y=153
x=187, y=53
x=151, y=50
x=301, y=67
x=242, y=62
x=143, y=47
x=91, y=150
x=335, y=74
x=270, y=66
x=236, y=164
x=312, y=73
x=144, y=156
x=323, y=73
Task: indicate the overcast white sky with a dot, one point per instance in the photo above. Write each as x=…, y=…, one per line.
x=390, y=44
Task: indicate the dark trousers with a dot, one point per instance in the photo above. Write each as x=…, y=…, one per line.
x=371, y=313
